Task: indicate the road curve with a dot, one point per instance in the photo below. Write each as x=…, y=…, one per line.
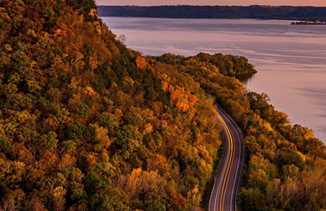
x=223, y=195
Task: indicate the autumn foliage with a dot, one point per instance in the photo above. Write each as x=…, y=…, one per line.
x=285, y=164
x=88, y=124
x=85, y=123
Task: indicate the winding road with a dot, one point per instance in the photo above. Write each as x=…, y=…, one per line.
x=223, y=195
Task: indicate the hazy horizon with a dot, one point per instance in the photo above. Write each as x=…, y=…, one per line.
x=213, y=2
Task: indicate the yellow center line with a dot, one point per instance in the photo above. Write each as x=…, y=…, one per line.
x=220, y=202
x=228, y=164
x=227, y=175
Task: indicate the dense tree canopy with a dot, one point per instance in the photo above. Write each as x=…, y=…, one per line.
x=233, y=66
x=285, y=166
x=88, y=124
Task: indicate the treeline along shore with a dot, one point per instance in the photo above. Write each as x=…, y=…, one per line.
x=183, y=11
x=87, y=123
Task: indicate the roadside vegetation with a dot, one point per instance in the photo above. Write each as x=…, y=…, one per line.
x=88, y=124
x=285, y=165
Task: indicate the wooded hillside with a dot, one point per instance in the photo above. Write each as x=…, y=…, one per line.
x=88, y=124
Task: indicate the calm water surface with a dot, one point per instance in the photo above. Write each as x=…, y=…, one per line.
x=291, y=60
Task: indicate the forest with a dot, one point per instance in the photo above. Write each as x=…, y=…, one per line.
x=208, y=12
x=88, y=124
x=285, y=165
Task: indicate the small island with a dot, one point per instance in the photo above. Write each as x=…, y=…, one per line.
x=87, y=123
x=314, y=22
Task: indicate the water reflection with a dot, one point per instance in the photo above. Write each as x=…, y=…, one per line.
x=291, y=60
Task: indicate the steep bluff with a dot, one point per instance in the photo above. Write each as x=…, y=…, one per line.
x=88, y=124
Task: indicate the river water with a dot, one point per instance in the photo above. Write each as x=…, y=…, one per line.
x=291, y=60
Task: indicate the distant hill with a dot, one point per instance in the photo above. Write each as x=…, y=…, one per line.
x=257, y=12
x=89, y=124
